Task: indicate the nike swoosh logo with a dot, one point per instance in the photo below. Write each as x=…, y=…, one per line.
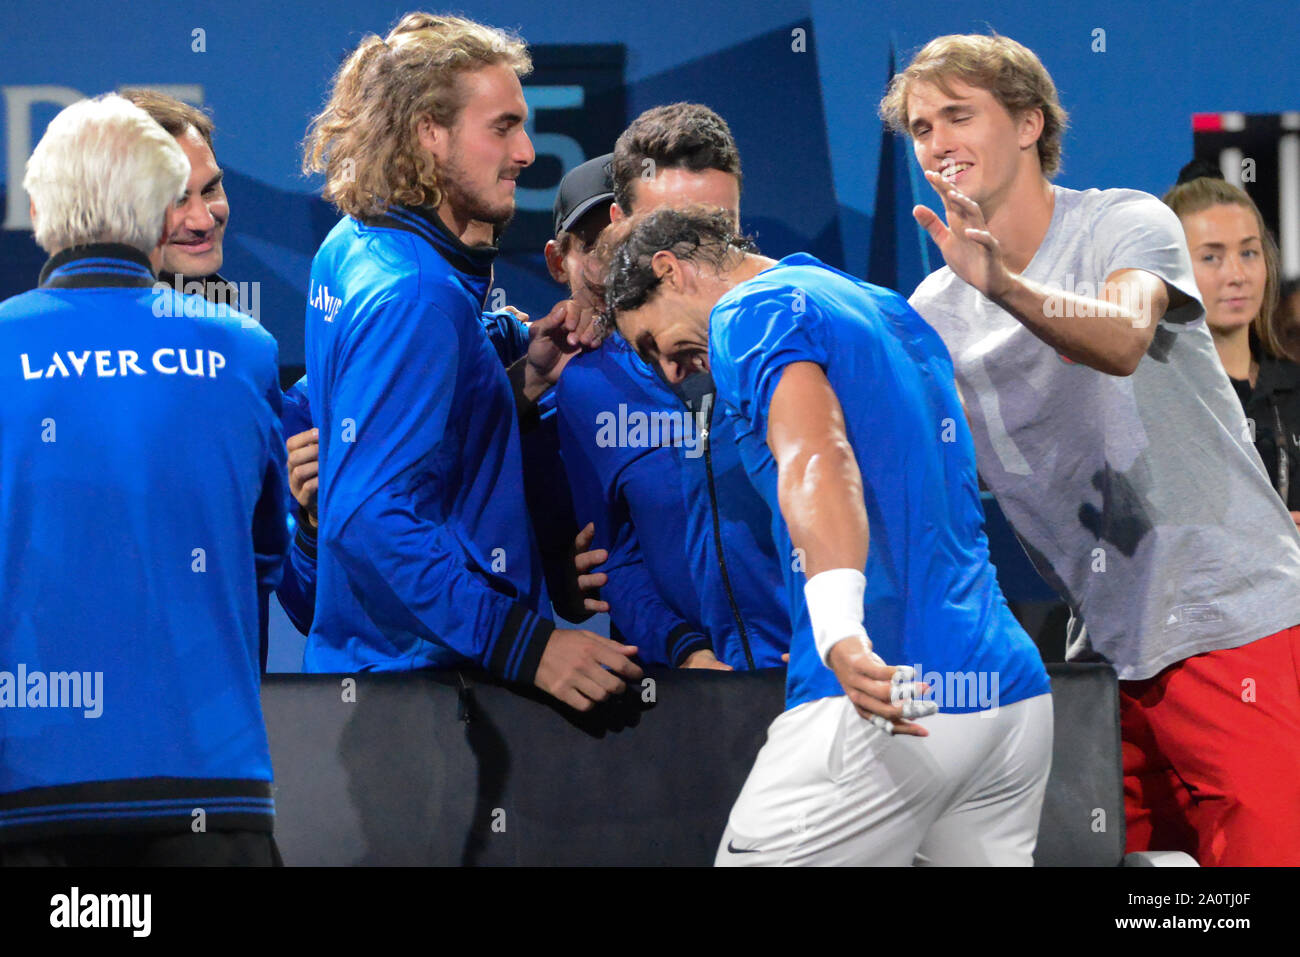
x=731, y=848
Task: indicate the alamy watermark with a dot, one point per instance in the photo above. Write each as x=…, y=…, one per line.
x=959, y=689
x=206, y=300
x=54, y=689
x=74, y=909
x=637, y=429
x=1083, y=299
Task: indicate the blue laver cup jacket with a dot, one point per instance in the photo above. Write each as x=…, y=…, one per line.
x=552, y=517
x=692, y=562
x=142, y=475
x=425, y=554
x=932, y=597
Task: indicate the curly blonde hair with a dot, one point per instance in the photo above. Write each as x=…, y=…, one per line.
x=1007, y=69
x=365, y=141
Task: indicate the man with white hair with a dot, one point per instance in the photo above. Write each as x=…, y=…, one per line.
x=132, y=730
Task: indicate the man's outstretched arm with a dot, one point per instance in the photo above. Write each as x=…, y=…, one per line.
x=1110, y=332
x=819, y=488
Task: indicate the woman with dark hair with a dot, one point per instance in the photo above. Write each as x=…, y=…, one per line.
x=1236, y=265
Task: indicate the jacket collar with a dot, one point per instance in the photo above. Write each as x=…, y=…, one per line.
x=474, y=263
x=216, y=288
x=97, y=264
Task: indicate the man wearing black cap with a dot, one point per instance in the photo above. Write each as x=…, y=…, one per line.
x=581, y=211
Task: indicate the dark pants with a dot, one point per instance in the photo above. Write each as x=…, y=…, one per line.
x=209, y=849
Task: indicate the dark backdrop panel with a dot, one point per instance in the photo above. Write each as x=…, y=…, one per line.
x=443, y=769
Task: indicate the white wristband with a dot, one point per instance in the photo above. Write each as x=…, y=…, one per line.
x=834, y=600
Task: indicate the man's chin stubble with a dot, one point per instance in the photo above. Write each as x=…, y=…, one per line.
x=470, y=209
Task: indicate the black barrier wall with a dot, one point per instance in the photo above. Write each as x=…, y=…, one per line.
x=445, y=768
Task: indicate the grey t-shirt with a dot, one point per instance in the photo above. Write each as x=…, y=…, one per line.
x=1141, y=499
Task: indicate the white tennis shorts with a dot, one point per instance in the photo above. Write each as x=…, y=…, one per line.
x=828, y=788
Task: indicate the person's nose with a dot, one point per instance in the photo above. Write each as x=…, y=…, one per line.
x=198, y=217
x=941, y=142
x=524, y=152
x=1236, y=272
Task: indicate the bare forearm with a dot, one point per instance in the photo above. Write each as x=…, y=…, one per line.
x=820, y=492
x=1107, y=334
x=528, y=383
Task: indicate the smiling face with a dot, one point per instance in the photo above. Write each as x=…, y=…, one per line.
x=197, y=225
x=1228, y=259
x=480, y=157
x=970, y=139
x=671, y=329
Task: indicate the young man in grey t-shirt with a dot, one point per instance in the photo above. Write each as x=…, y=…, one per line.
x=1112, y=439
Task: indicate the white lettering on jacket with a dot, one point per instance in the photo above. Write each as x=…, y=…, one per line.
x=111, y=363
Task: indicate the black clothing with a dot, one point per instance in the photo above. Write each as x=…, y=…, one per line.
x=1273, y=406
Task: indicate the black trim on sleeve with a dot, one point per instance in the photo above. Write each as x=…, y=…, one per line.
x=135, y=805
x=304, y=538
x=684, y=641
x=523, y=638
x=499, y=661
x=536, y=646
x=528, y=411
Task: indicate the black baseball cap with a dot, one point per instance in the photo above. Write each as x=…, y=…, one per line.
x=583, y=188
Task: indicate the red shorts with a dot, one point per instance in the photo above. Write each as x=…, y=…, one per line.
x=1212, y=755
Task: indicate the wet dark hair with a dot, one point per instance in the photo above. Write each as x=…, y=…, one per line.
x=626, y=250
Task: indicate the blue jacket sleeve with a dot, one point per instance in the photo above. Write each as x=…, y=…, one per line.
x=509, y=336
x=636, y=610
x=297, y=590
x=270, y=528
x=397, y=382
x=635, y=606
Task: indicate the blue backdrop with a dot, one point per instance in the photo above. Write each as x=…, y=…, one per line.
x=802, y=106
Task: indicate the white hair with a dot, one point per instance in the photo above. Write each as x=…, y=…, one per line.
x=104, y=172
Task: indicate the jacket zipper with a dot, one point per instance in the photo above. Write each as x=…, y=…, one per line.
x=717, y=539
